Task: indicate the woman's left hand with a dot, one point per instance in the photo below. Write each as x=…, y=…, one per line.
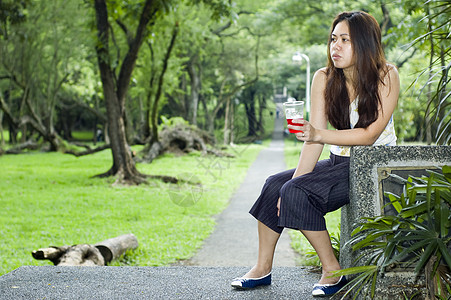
x=306, y=130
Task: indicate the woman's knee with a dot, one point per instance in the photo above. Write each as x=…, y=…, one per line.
x=290, y=192
x=275, y=180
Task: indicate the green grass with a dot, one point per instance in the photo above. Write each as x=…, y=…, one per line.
x=86, y=135
x=333, y=219
x=51, y=199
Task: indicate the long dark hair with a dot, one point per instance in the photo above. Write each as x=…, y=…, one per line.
x=370, y=69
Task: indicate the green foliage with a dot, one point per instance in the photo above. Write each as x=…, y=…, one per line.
x=426, y=28
x=11, y=12
x=172, y=122
x=217, y=45
x=49, y=199
x=439, y=105
x=420, y=233
x=220, y=8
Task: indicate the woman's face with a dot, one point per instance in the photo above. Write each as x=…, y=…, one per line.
x=340, y=47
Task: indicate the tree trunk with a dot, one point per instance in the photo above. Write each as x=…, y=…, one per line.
x=386, y=22
x=154, y=117
x=226, y=123
x=208, y=125
x=123, y=164
x=195, y=88
x=146, y=135
x=115, y=94
x=250, y=113
x=148, y=111
x=232, y=123
x=12, y=124
x=260, y=121
x=2, y=138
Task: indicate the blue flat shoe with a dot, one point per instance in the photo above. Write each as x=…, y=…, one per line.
x=324, y=290
x=250, y=283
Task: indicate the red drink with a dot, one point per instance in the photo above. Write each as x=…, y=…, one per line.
x=290, y=122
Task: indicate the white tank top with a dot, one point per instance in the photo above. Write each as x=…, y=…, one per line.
x=387, y=137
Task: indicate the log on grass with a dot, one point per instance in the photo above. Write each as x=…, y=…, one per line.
x=52, y=253
x=82, y=255
x=76, y=255
x=88, y=255
x=112, y=249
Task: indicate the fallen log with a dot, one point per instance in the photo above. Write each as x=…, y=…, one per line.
x=18, y=149
x=82, y=255
x=76, y=255
x=99, y=254
x=52, y=253
x=112, y=249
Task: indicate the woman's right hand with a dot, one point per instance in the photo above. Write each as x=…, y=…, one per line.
x=278, y=207
x=307, y=133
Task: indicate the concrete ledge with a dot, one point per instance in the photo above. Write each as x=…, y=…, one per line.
x=51, y=282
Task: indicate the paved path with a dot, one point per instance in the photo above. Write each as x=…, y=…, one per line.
x=235, y=240
x=143, y=283
x=226, y=254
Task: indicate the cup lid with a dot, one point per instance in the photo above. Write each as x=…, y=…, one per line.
x=294, y=102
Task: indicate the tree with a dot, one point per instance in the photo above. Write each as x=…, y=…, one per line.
x=36, y=54
x=254, y=99
x=115, y=89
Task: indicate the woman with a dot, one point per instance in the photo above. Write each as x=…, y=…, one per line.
x=356, y=93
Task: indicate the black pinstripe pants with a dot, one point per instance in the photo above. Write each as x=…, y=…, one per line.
x=305, y=199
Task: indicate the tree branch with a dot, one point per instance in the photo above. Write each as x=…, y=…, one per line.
x=127, y=32
x=34, y=120
x=160, y=83
x=4, y=107
x=13, y=77
x=98, y=114
x=229, y=23
x=28, y=120
x=148, y=12
x=118, y=53
x=401, y=63
x=386, y=22
x=102, y=46
x=237, y=88
x=88, y=151
x=18, y=149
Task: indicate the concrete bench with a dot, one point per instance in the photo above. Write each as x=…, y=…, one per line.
x=369, y=170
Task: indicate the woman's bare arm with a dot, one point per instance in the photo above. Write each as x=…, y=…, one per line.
x=311, y=152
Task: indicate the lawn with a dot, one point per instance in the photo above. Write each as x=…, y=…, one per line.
x=51, y=199
x=299, y=242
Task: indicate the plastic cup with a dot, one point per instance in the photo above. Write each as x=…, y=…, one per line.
x=293, y=110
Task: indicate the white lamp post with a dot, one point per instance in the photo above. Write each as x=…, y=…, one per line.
x=298, y=57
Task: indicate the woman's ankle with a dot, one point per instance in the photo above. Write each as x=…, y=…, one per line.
x=328, y=276
x=257, y=272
